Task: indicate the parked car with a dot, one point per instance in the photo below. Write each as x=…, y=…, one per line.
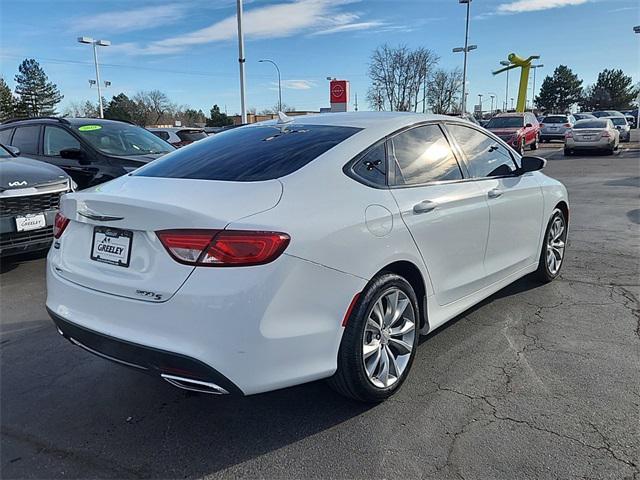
x=519, y=130
x=553, y=127
x=466, y=116
x=179, y=136
x=89, y=150
x=608, y=113
x=29, y=197
x=583, y=116
x=631, y=120
x=598, y=134
x=236, y=283
x=622, y=126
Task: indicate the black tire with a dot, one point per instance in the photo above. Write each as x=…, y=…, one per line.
x=610, y=151
x=568, y=152
x=544, y=274
x=351, y=379
x=534, y=145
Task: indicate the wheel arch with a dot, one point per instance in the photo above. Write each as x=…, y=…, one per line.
x=564, y=208
x=412, y=274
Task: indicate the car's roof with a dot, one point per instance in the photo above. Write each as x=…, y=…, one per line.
x=64, y=120
x=363, y=119
x=511, y=114
x=173, y=129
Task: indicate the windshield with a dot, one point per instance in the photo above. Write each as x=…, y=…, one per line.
x=122, y=139
x=590, y=124
x=249, y=154
x=558, y=119
x=505, y=122
x=619, y=120
x=191, y=135
x=4, y=153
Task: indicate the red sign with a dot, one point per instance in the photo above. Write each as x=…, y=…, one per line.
x=339, y=91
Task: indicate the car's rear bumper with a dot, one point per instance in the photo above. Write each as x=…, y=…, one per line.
x=253, y=329
x=552, y=136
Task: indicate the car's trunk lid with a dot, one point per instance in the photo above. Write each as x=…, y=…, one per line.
x=127, y=212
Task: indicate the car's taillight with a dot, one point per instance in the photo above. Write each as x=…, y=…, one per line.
x=605, y=134
x=223, y=248
x=568, y=125
x=59, y=224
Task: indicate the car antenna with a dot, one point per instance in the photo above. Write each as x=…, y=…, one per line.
x=283, y=119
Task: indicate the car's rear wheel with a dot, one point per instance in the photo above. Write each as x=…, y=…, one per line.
x=534, y=145
x=553, y=247
x=379, y=342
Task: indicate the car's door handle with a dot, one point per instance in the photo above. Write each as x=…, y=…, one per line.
x=424, y=206
x=494, y=193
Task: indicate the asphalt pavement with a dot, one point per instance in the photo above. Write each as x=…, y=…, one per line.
x=539, y=381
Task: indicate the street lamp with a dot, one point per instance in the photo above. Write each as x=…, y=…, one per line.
x=279, y=84
x=492, y=97
x=533, y=93
x=96, y=43
x=480, y=103
x=466, y=49
x=506, y=93
x=511, y=103
x=241, y=62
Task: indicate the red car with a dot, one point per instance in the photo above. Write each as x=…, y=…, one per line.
x=519, y=130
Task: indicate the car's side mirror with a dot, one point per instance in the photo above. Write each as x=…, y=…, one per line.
x=531, y=164
x=528, y=125
x=14, y=150
x=73, y=154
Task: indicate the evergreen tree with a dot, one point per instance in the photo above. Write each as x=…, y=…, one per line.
x=38, y=96
x=122, y=107
x=7, y=101
x=559, y=91
x=613, y=91
x=217, y=118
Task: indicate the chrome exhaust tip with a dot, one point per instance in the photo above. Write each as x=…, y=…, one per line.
x=194, y=385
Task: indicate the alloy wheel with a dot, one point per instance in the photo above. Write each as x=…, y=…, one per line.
x=555, y=245
x=388, y=338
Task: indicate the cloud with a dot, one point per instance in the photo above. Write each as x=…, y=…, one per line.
x=299, y=17
x=520, y=6
x=296, y=84
x=129, y=20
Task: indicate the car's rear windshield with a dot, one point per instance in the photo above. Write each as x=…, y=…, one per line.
x=191, y=135
x=590, y=124
x=249, y=154
x=555, y=119
x=506, y=122
x=618, y=120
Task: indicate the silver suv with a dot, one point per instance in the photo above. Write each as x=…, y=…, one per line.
x=554, y=127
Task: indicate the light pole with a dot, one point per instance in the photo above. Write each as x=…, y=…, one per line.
x=492, y=97
x=506, y=92
x=279, y=82
x=241, y=62
x=96, y=43
x=480, y=103
x=533, y=93
x=511, y=103
x=466, y=49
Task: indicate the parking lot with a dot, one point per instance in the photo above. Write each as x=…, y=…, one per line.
x=535, y=382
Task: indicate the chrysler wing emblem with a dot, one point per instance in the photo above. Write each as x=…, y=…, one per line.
x=18, y=184
x=85, y=212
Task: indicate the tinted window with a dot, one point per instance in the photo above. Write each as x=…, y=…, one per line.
x=485, y=156
x=506, y=122
x=191, y=135
x=5, y=136
x=590, y=124
x=119, y=138
x=555, y=119
x=372, y=167
x=423, y=155
x=26, y=139
x=249, y=154
x=162, y=135
x=619, y=120
x=56, y=139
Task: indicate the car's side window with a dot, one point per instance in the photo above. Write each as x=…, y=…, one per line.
x=56, y=139
x=162, y=135
x=485, y=156
x=5, y=136
x=26, y=139
x=372, y=167
x=421, y=155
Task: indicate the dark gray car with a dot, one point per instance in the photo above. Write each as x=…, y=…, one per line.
x=30, y=193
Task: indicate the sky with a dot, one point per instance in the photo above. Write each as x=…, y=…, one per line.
x=189, y=50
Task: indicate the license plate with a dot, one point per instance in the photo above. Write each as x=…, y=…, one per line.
x=111, y=245
x=587, y=139
x=553, y=128
x=30, y=222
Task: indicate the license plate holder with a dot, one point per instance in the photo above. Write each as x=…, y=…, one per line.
x=30, y=222
x=112, y=246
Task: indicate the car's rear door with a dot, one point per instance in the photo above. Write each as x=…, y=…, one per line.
x=515, y=201
x=447, y=216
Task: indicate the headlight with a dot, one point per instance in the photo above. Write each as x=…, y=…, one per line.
x=73, y=185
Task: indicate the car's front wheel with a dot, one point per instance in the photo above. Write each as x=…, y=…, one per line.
x=379, y=342
x=553, y=247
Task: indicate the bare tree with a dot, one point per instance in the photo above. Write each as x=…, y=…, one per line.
x=397, y=75
x=274, y=109
x=153, y=105
x=85, y=109
x=443, y=93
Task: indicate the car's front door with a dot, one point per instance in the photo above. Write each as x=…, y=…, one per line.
x=56, y=139
x=515, y=202
x=447, y=217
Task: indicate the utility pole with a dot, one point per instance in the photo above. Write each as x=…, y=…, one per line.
x=241, y=61
x=480, y=103
x=356, y=105
x=492, y=97
x=466, y=49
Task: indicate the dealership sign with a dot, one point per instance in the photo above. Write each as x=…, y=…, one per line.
x=339, y=95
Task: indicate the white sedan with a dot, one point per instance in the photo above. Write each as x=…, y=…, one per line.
x=291, y=251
